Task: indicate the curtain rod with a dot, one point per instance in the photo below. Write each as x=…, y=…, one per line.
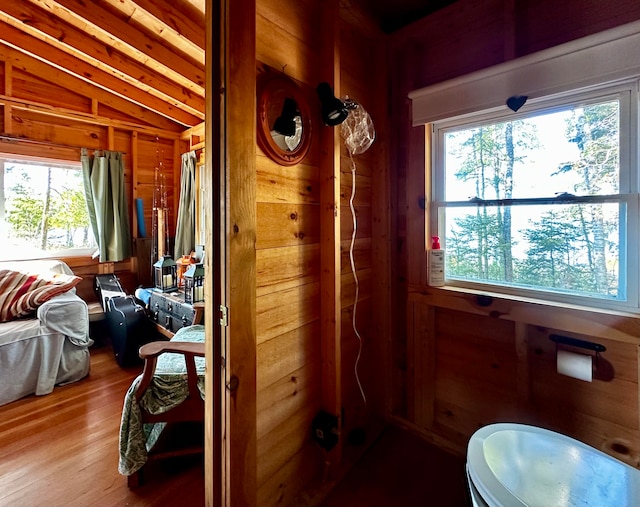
x=9, y=139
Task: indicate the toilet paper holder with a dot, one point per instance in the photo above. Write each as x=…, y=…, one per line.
x=575, y=342
x=596, y=348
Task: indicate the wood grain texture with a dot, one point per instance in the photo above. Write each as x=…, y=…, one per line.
x=284, y=311
x=286, y=267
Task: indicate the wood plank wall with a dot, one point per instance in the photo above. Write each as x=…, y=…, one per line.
x=459, y=365
x=54, y=118
x=288, y=255
x=288, y=269
x=364, y=78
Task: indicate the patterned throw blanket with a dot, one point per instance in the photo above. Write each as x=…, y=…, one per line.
x=167, y=390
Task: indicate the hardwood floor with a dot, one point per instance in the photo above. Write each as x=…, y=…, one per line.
x=61, y=450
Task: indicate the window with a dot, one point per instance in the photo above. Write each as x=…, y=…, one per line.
x=542, y=202
x=43, y=212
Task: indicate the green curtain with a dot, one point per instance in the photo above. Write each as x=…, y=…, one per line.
x=186, y=222
x=103, y=174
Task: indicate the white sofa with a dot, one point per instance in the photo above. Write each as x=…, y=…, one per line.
x=49, y=348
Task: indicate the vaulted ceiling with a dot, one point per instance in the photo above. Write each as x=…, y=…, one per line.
x=148, y=52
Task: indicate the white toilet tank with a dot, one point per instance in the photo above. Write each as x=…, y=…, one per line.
x=511, y=465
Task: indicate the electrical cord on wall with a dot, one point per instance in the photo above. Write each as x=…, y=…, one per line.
x=355, y=276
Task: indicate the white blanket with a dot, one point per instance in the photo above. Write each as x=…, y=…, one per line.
x=52, y=348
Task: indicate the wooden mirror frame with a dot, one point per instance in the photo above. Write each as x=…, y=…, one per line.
x=272, y=86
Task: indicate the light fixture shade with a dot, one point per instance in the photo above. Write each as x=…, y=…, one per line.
x=165, y=275
x=334, y=111
x=285, y=124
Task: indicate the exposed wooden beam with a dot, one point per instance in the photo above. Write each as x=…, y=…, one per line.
x=166, y=22
x=113, y=31
x=91, y=118
x=67, y=63
x=47, y=73
x=59, y=34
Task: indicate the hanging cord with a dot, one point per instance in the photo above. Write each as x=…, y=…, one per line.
x=355, y=276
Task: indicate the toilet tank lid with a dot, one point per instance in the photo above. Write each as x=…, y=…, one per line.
x=520, y=465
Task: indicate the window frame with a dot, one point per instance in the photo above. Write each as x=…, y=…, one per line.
x=44, y=161
x=627, y=93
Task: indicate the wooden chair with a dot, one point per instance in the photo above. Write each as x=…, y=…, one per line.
x=191, y=410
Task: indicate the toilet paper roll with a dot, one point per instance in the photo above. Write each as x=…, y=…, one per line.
x=575, y=365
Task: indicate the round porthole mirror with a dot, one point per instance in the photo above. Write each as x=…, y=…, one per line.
x=284, y=120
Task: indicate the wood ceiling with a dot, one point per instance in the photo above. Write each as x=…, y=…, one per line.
x=148, y=52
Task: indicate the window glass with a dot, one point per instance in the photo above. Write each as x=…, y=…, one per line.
x=575, y=151
x=571, y=249
x=43, y=212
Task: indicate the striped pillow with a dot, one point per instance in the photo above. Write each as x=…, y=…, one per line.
x=22, y=293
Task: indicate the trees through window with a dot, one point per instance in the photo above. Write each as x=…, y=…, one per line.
x=43, y=211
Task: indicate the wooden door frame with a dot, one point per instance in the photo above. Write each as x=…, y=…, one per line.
x=214, y=169
x=230, y=459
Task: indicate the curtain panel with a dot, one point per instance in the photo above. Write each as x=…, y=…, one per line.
x=186, y=222
x=105, y=192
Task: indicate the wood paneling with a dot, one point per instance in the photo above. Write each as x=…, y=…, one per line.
x=543, y=24
x=304, y=229
x=34, y=88
x=289, y=406
x=287, y=37
x=287, y=225
x=281, y=312
x=496, y=364
x=278, y=183
x=363, y=79
x=287, y=267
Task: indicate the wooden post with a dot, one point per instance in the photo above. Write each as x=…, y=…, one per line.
x=330, y=231
x=239, y=291
x=160, y=212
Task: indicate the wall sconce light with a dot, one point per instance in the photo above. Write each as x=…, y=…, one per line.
x=285, y=124
x=166, y=279
x=334, y=111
